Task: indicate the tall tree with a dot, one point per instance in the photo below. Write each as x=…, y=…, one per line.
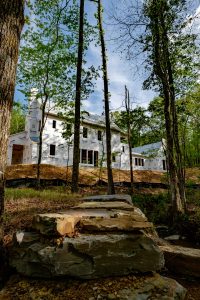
x=11, y=24
x=111, y=189
x=164, y=18
x=128, y=123
x=76, y=151
x=160, y=28
x=47, y=58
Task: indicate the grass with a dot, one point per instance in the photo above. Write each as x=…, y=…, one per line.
x=46, y=194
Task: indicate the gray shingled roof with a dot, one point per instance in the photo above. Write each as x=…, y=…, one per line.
x=150, y=149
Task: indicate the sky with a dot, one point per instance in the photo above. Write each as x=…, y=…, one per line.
x=120, y=71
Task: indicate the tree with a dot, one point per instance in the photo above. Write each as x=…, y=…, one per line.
x=111, y=189
x=11, y=23
x=48, y=60
x=17, y=123
x=168, y=59
x=159, y=28
x=76, y=152
x=128, y=123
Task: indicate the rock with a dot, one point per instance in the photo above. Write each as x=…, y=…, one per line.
x=121, y=223
x=107, y=205
x=109, y=198
x=174, y=237
x=67, y=223
x=89, y=256
x=182, y=260
x=162, y=230
x=24, y=238
x=55, y=224
x=154, y=287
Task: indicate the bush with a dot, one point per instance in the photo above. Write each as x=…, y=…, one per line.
x=155, y=207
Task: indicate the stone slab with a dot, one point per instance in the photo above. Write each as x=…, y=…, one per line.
x=110, y=198
x=89, y=256
x=69, y=222
x=120, y=223
x=107, y=205
x=182, y=260
x=55, y=224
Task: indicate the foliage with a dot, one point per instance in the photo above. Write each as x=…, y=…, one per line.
x=183, y=51
x=49, y=51
x=155, y=207
x=17, y=118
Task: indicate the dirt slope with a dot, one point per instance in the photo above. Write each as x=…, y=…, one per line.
x=90, y=176
x=87, y=175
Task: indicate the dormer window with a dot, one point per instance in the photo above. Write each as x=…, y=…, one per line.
x=54, y=124
x=85, y=132
x=99, y=135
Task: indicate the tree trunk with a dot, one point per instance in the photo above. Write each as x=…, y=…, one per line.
x=76, y=152
x=11, y=23
x=127, y=105
x=111, y=189
x=163, y=70
x=40, y=144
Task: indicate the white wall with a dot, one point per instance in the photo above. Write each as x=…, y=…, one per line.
x=53, y=136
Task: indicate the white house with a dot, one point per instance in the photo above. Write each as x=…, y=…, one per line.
x=23, y=146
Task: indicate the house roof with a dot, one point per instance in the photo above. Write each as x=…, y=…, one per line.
x=150, y=149
x=88, y=118
x=95, y=119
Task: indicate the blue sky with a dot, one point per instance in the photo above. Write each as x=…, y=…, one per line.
x=120, y=71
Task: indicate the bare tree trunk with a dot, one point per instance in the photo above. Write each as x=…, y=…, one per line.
x=76, y=152
x=40, y=144
x=11, y=23
x=111, y=189
x=67, y=170
x=127, y=106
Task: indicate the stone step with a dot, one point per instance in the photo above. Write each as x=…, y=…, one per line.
x=109, y=198
x=67, y=223
x=121, y=223
x=106, y=204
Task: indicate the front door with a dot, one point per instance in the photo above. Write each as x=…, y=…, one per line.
x=17, y=154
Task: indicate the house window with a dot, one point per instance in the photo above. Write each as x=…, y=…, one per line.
x=139, y=162
x=164, y=165
x=39, y=126
x=99, y=135
x=54, y=124
x=52, y=149
x=123, y=149
x=122, y=139
x=84, y=156
x=114, y=158
x=87, y=156
x=85, y=132
x=90, y=157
